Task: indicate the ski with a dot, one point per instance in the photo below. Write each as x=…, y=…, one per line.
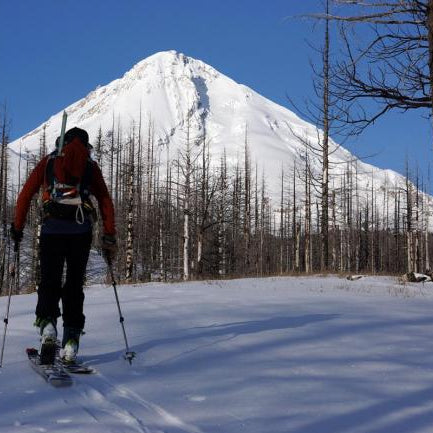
x=75, y=367
x=54, y=374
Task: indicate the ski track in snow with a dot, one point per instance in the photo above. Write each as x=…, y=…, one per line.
x=103, y=400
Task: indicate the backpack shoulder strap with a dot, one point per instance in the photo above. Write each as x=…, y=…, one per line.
x=49, y=170
x=86, y=179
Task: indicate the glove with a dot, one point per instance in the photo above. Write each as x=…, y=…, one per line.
x=16, y=235
x=109, y=247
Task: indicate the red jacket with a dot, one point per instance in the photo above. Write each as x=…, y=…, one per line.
x=66, y=168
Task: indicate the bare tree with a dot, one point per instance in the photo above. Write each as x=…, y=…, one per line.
x=130, y=208
x=4, y=140
x=187, y=165
x=247, y=202
x=222, y=211
x=324, y=257
x=392, y=63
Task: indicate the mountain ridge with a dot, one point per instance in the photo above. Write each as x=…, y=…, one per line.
x=167, y=85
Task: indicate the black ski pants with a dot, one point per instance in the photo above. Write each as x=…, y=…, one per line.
x=55, y=251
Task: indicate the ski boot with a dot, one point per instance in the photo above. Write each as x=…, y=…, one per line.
x=70, y=343
x=48, y=332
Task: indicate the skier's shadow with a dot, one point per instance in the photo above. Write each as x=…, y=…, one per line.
x=218, y=331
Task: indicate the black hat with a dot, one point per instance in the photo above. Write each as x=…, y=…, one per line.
x=79, y=133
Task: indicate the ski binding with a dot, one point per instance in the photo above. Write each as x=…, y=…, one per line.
x=54, y=374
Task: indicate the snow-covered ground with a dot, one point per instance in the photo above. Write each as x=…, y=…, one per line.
x=274, y=355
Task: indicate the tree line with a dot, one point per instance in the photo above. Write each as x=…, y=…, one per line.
x=188, y=217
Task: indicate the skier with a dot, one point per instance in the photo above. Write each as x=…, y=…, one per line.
x=67, y=179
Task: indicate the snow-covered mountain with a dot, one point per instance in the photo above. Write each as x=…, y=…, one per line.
x=167, y=86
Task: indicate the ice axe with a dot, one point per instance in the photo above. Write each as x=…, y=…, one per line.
x=62, y=133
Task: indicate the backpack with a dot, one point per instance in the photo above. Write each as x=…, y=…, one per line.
x=67, y=201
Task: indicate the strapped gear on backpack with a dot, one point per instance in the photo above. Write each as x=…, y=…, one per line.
x=67, y=201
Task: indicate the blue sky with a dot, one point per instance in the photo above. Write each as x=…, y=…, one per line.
x=53, y=52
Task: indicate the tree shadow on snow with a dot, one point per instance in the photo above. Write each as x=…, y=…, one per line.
x=255, y=326
x=407, y=413
x=218, y=331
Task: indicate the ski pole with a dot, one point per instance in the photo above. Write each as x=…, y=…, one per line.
x=129, y=355
x=12, y=272
x=3, y=264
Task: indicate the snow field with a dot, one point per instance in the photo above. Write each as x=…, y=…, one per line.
x=272, y=355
